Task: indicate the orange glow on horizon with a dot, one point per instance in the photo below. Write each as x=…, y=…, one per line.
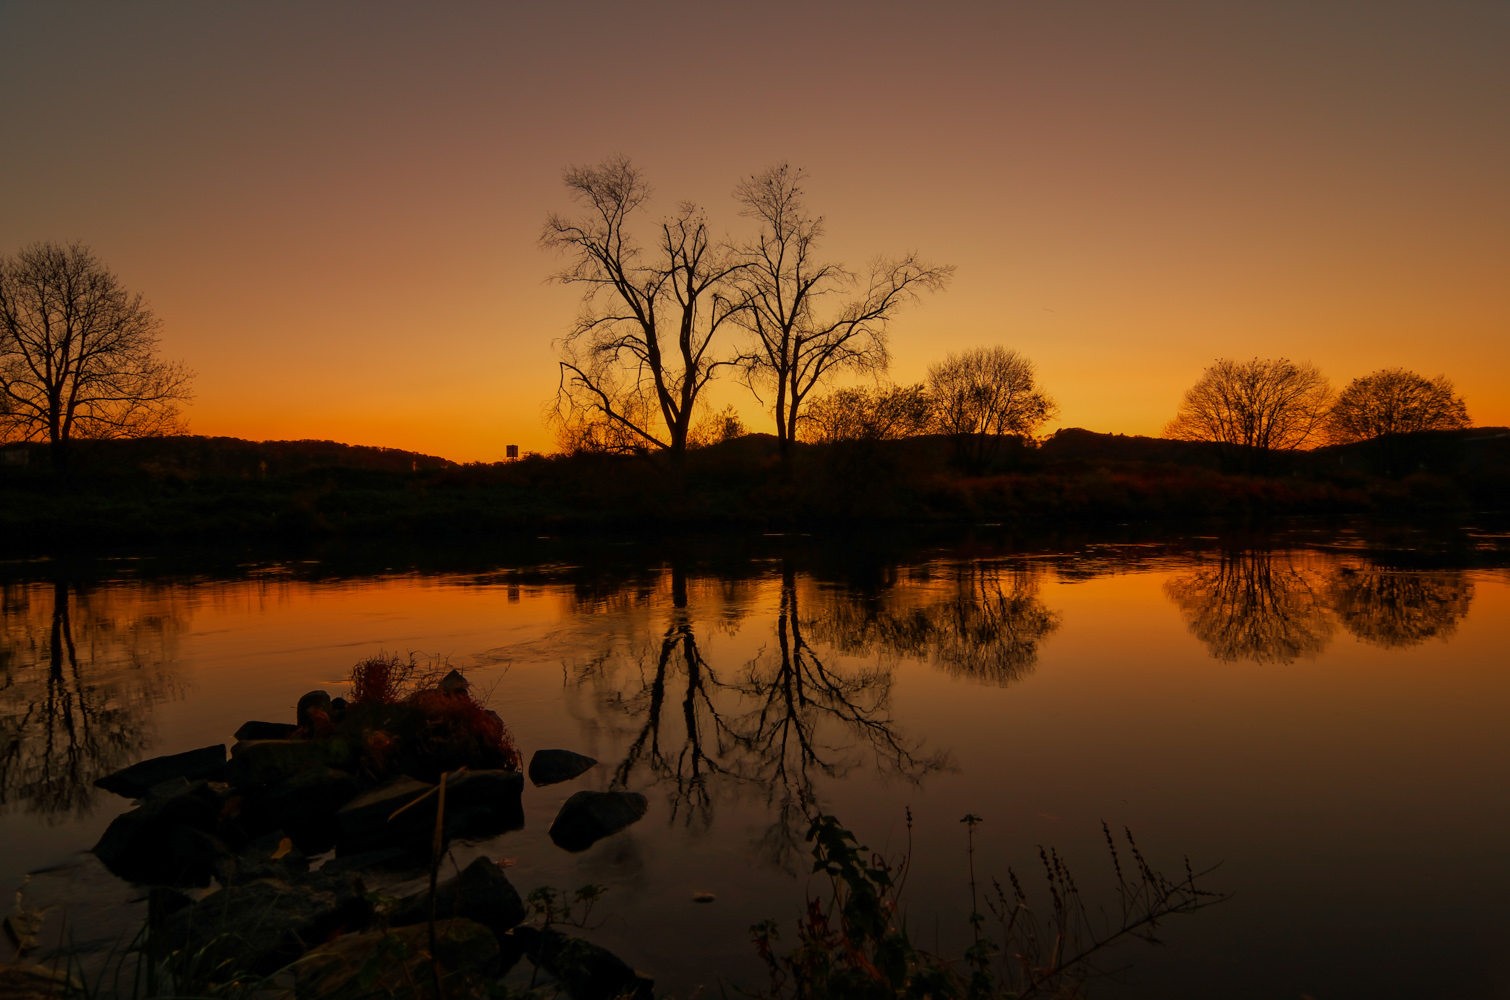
x=335, y=211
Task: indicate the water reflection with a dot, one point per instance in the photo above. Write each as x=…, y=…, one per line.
x=80, y=669
x=985, y=622
x=767, y=728
x=1396, y=608
x=1269, y=607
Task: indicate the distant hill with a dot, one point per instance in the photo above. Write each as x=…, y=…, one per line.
x=1076, y=444
x=197, y=455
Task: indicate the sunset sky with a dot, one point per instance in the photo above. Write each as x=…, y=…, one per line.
x=335, y=208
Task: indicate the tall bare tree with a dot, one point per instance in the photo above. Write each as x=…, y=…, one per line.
x=648, y=339
x=982, y=394
x=1253, y=408
x=1395, y=401
x=811, y=318
x=78, y=353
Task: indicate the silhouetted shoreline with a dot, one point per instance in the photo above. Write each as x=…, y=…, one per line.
x=197, y=489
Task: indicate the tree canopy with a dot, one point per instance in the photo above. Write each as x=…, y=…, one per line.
x=1255, y=406
x=78, y=352
x=1395, y=401
x=981, y=394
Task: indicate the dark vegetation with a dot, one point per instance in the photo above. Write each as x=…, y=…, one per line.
x=196, y=488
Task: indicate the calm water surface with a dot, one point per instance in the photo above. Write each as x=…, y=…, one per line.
x=1325, y=718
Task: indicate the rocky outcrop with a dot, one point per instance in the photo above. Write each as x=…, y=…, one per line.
x=266, y=731
x=551, y=767
x=135, y=781
x=400, y=814
x=484, y=803
x=260, y=764
x=261, y=926
x=271, y=856
x=481, y=892
x=170, y=838
x=304, y=807
x=588, y=817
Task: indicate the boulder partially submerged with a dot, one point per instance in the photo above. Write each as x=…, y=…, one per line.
x=135, y=781
x=588, y=817
x=551, y=767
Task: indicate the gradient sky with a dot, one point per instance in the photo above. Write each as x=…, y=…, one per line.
x=335, y=207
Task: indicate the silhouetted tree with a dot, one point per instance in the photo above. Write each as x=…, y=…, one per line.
x=981, y=394
x=1399, y=608
x=1253, y=408
x=78, y=353
x=1254, y=605
x=647, y=341
x=1395, y=401
x=858, y=413
x=811, y=318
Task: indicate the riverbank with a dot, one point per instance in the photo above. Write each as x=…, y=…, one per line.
x=200, y=489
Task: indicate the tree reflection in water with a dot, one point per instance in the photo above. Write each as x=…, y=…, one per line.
x=79, y=672
x=769, y=730
x=1398, y=608
x=988, y=624
x=1255, y=605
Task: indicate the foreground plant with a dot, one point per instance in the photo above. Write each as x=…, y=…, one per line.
x=855, y=943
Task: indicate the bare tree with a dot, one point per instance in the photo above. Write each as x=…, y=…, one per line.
x=811, y=318
x=1395, y=401
x=646, y=343
x=78, y=353
x=857, y=413
x=1253, y=407
x=980, y=395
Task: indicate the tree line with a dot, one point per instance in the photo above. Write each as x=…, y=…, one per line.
x=668, y=308
x=662, y=318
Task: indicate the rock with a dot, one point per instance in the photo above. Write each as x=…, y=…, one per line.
x=36, y=982
x=266, y=731
x=484, y=803
x=272, y=856
x=478, y=804
x=550, y=767
x=380, y=963
x=304, y=807
x=368, y=822
x=260, y=764
x=453, y=684
x=588, y=972
x=140, y=845
x=134, y=781
x=261, y=926
x=314, y=702
x=588, y=817
x=481, y=892
x=197, y=853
